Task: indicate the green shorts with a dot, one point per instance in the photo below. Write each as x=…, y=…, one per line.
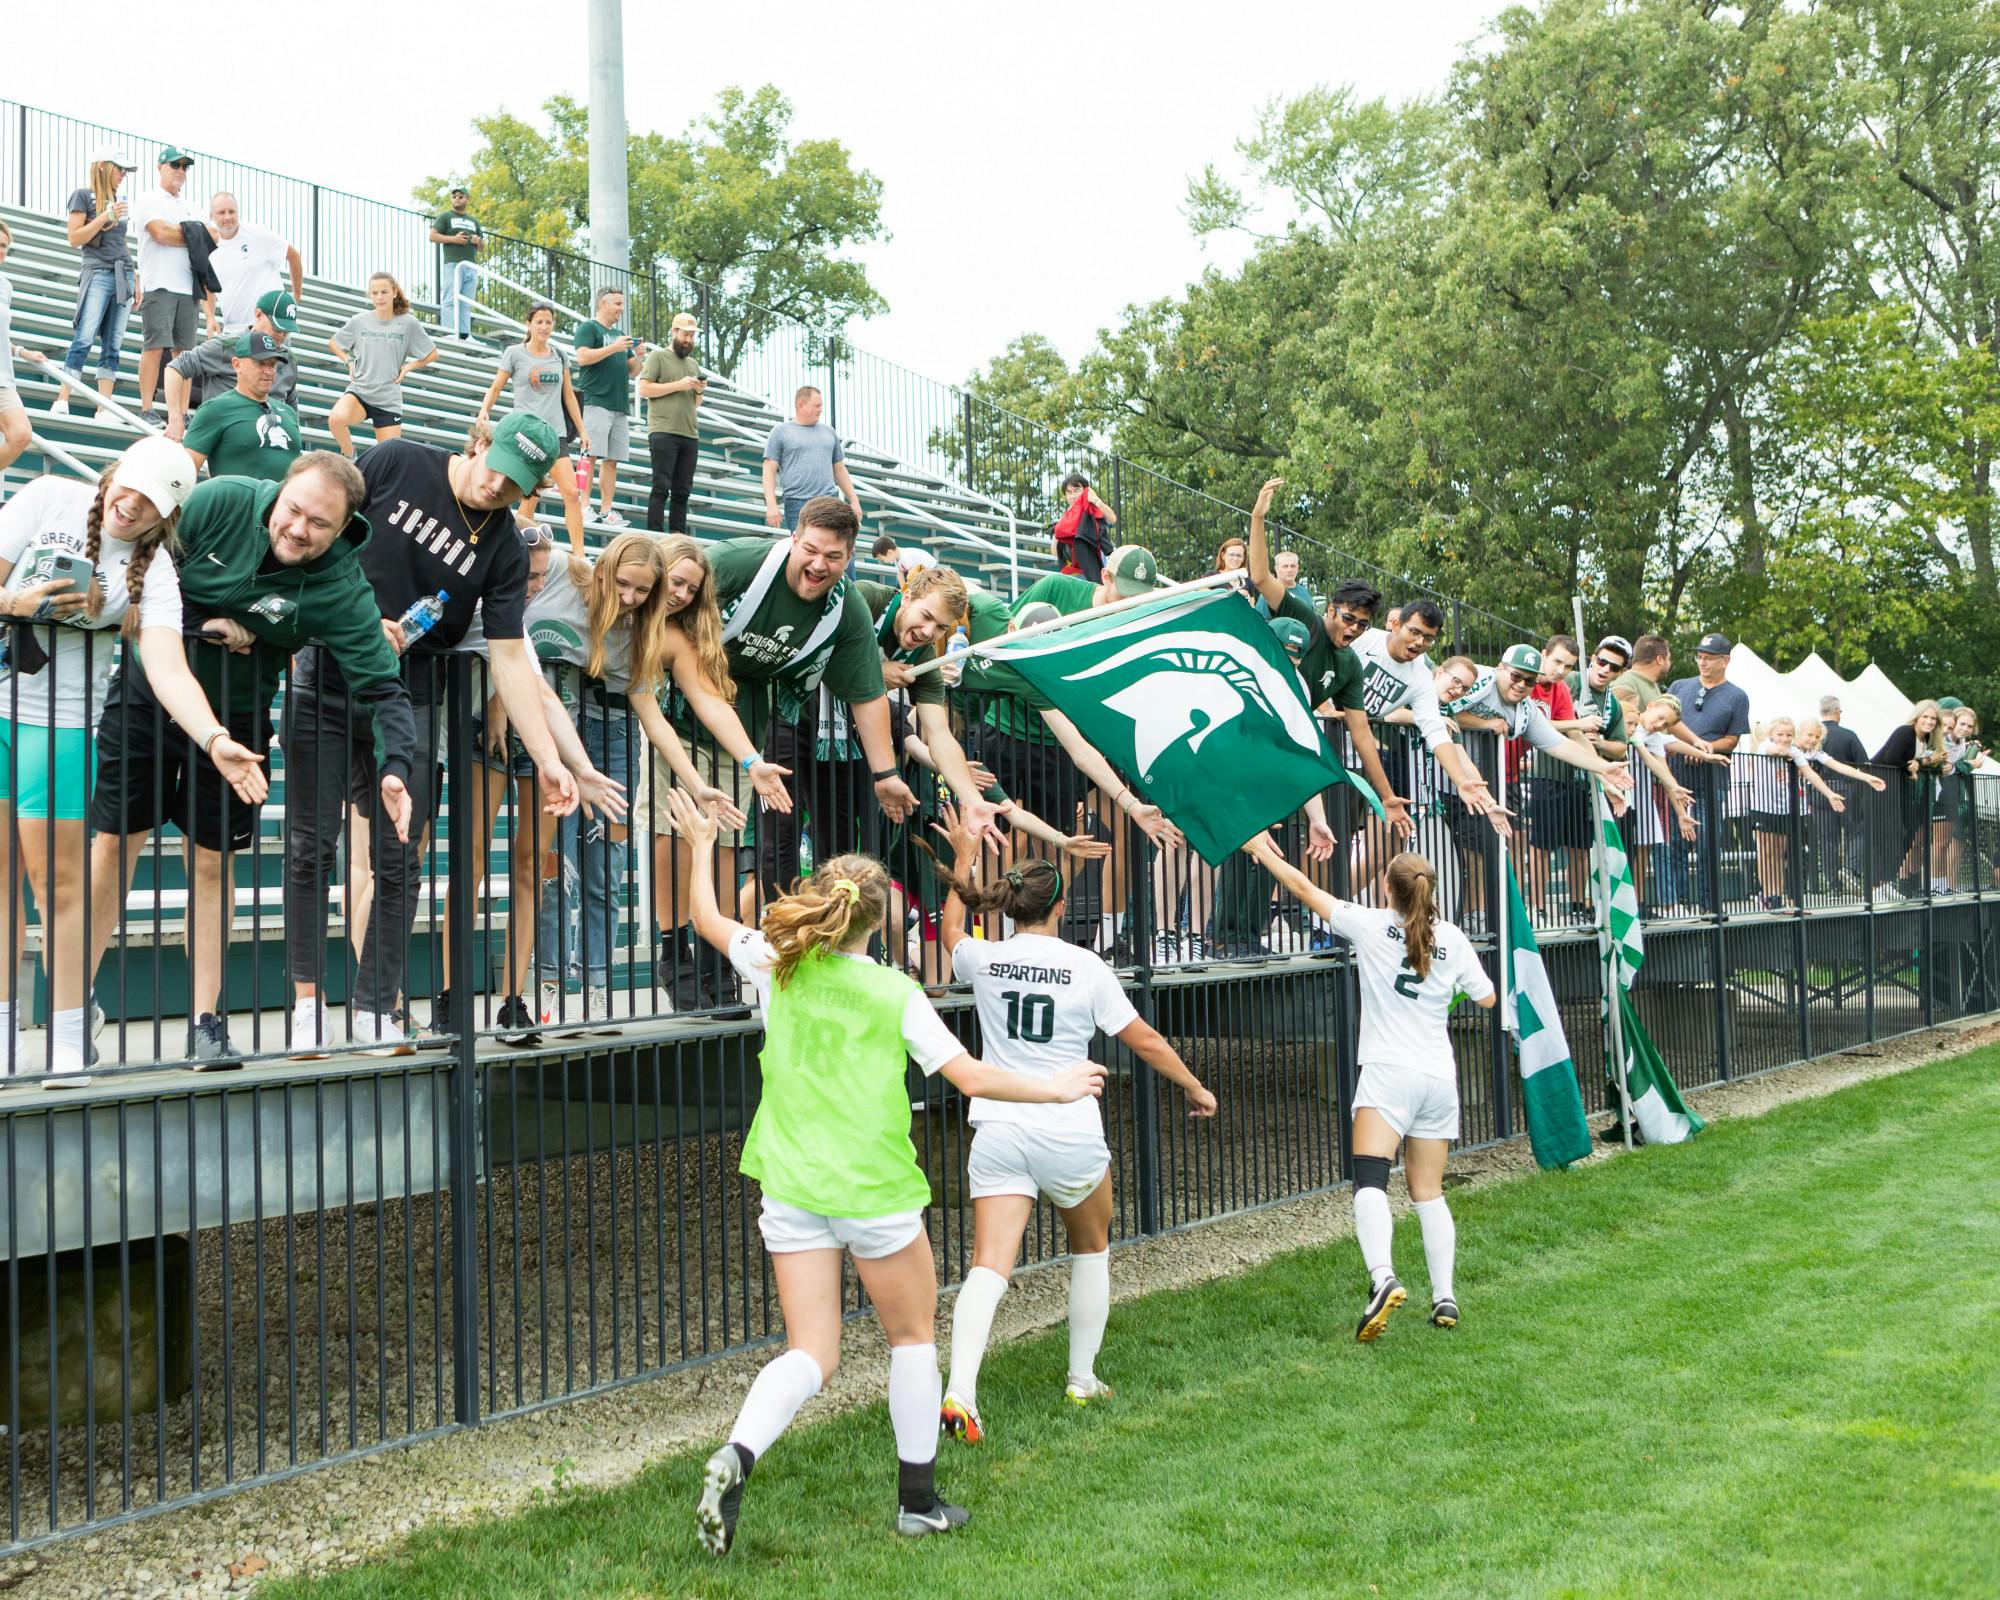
x=26, y=751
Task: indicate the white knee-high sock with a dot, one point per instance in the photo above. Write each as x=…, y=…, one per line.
x=774, y=1399
x=914, y=1395
x=1089, y=1310
x=971, y=1326
x=1440, y=1244
x=1374, y=1229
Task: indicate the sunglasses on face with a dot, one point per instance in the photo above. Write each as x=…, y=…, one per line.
x=1514, y=675
x=1606, y=662
x=1352, y=619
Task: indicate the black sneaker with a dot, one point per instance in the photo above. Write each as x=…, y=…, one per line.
x=438, y=1033
x=209, y=1045
x=940, y=1518
x=1383, y=1301
x=152, y=418
x=1444, y=1313
x=721, y=1499
x=517, y=1022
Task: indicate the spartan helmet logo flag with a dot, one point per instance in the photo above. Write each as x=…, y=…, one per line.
x=1192, y=685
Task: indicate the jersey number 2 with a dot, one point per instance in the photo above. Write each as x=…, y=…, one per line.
x=1031, y=1017
x=1408, y=981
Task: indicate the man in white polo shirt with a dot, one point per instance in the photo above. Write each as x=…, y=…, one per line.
x=166, y=279
x=249, y=262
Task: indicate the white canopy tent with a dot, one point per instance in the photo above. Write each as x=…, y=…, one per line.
x=1870, y=704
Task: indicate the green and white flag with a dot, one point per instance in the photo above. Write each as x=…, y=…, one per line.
x=1649, y=1088
x=1557, y=1131
x=1196, y=700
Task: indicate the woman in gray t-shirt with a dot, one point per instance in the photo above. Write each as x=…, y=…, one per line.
x=381, y=347
x=540, y=378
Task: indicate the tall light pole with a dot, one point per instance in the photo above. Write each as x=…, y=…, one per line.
x=610, y=210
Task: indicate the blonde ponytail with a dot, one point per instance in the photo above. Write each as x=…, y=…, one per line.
x=823, y=912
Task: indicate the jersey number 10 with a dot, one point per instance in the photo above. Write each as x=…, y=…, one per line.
x=1031, y=1017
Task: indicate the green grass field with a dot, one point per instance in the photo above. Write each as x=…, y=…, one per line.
x=1762, y=1364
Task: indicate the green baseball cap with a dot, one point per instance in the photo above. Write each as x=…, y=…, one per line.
x=1951, y=702
x=254, y=346
x=1291, y=632
x=1522, y=658
x=175, y=156
x=1132, y=569
x=281, y=308
x=524, y=447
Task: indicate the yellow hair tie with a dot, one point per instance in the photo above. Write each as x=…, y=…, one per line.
x=850, y=888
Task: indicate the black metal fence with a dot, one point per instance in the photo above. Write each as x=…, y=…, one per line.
x=217, y=1277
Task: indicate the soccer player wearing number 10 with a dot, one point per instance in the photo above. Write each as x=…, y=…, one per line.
x=1411, y=964
x=1041, y=1001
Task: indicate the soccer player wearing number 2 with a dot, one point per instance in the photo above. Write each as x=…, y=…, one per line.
x=1411, y=964
x=1041, y=1002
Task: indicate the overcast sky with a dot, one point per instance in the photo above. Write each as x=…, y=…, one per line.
x=1034, y=156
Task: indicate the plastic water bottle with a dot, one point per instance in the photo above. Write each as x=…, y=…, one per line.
x=959, y=642
x=422, y=616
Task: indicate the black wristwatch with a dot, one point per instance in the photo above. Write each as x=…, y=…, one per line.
x=886, y=774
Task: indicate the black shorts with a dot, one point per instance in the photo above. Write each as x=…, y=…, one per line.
x=1772, y=824
x=1469, y=832
x=1558, y=814
x=149, y=772
x=1041, y=776
x=377, y=417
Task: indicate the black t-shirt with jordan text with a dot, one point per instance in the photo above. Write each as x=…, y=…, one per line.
x=423, y=541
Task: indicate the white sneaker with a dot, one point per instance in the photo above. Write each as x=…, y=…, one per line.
x=377, y=1033
x=561, y=1013
x=613, y=519
x=310, y=1035
x=59, y=407
x=1166, y=948
x=598, y=1011
x=67, y=1072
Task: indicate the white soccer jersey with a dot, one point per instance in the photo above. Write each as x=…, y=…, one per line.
x=1041, y=1002
x=1387, y=683
x=1403, y=1016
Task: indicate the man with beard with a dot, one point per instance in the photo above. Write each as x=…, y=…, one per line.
x=671, y=384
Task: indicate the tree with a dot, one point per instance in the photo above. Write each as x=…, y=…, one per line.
x=731, y=203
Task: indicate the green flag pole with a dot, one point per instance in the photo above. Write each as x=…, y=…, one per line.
x=1601, y=866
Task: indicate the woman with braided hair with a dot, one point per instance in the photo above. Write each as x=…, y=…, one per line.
x=1041, y=1002
x=830, y=1146
x=81, y=566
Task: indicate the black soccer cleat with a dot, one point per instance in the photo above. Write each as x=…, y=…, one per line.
x=1444, y=1313
x=940, y=1518
x=721, y=1499
x=1383, y=1301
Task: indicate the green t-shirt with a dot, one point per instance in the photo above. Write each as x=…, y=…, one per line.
x=605, y=383
x=1067, y=594
x=1610, y=708
x=761, y=654
x=243, y=439
x=466, y=228
x=671, y=413
x=1640, y=685
x=832, y=1129
x=883, y=602
x=987, y=615
x=1331, y=671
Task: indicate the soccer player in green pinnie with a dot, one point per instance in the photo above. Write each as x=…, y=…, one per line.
x=830, y=1147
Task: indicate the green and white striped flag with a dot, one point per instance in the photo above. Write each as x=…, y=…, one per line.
x=1650, y=1089
x=1557, y=1131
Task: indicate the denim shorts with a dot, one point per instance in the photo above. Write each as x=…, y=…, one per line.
x=518, y=763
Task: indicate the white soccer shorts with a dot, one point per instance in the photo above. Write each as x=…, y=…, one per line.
x=1417, y=1104
x=787, y=1228
x=1009, y=1158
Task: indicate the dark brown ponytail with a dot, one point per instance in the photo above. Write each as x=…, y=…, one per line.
x=1027, y=893
x=1413, y=892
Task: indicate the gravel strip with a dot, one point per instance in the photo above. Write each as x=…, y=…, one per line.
x=342, y=1515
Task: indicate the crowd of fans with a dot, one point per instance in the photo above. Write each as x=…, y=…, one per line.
x=802, y=707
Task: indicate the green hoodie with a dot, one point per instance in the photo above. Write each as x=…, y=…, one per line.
x=225, y=571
